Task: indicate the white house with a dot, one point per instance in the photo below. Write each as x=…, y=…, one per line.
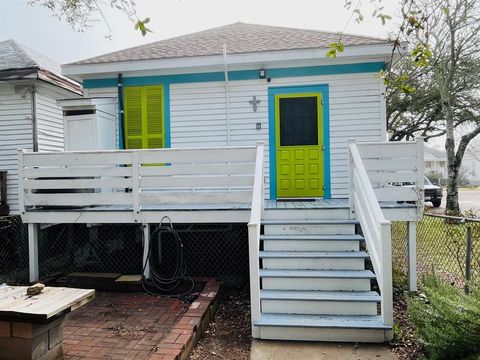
x=30, y=84
x=250, y=124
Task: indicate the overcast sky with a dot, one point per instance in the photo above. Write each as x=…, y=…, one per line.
x=35, y=27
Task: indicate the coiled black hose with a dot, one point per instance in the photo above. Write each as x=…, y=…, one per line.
x=157, y=284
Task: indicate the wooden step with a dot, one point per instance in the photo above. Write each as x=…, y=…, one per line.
x=314, y=260
x=309, y=227
x=348, y=242
x=341, y=280
x=307, y=213
x=319, y=302
x=344, y=328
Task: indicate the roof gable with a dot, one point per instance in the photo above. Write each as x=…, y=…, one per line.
x=239, y=38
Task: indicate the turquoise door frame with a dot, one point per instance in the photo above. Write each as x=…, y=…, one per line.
x=272, y=91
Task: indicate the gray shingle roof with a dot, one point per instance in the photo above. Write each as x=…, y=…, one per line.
x=18, y=61
x=239, y=37
x=16, y=56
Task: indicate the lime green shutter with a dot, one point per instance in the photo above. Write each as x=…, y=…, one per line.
x=144, y=118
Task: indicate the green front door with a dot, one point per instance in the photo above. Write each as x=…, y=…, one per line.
x=299, y=145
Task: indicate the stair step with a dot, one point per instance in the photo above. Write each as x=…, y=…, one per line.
x=310, y=222
x=308, y=295
x=345, y=237
x=323, y=321
x=301, y=242
x=313, y=254
x=334, y=280
x=309, y=227
x=331, y=274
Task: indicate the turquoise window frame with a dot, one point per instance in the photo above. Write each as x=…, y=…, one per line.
x=277, y=90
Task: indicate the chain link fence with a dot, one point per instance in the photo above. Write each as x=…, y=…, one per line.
x=447, y=246
x=213, y=250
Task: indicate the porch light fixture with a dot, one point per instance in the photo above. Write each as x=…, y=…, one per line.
x=262, y=73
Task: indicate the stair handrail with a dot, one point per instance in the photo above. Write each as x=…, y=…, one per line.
x=254, y=227
x=376, y=229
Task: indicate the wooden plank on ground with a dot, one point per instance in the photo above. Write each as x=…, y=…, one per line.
x=14, y=301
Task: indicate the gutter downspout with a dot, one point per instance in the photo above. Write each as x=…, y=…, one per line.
x=33, y=109
x=121, y=113
x=227, y=92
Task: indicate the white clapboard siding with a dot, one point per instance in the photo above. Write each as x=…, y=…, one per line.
x=15, y=133
x=49, y=120
x=198, y=116
x=16, y=128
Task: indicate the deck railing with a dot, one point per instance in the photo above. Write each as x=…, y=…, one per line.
x=254, y=237
x=395, y=170
x=136, y=179
x=383, y=172
x=376, y=229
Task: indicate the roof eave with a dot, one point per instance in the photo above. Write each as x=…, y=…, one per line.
x=216, y=62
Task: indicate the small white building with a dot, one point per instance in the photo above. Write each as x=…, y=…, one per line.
x=30, y=84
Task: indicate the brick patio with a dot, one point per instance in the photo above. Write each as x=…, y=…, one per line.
x=138, y=326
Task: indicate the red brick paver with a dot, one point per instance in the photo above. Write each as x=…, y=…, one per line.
x=137, y=326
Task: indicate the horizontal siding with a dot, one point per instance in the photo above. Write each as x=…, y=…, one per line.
x=15, y=133
x=198, y=115
x=49, y=121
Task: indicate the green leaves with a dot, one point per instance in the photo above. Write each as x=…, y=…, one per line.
x=334, y=48
x=421, y=54
x=140, y=25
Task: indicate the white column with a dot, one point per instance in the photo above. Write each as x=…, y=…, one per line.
x=146, y=246
x=33, y=251
x=412, y=255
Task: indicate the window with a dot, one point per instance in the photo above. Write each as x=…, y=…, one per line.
x=144, y=117
x=298, y=121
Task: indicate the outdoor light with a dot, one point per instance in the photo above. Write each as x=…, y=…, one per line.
x=261, y=73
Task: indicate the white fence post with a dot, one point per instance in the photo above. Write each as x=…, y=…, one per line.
x=351, y=188
x=253, y=256
x=146, y=247
x=412, y=255
x=387, y=288
x=420, y=177
x=136, y=186
x=33, y=251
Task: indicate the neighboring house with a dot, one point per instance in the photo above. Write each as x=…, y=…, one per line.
x=323, y=170
x=435, y=162
x=30, y=84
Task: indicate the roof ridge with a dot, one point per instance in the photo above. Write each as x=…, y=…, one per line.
x=21, y=51
x=241, y=37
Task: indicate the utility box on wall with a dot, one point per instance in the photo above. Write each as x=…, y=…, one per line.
x=89, y=123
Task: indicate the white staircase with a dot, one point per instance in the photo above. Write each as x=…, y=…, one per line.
x=312, y=278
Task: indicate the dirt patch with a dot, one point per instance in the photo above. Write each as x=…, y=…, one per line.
x=229, y=335
x=405, y=344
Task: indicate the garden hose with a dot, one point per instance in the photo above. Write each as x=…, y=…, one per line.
x=158, y=284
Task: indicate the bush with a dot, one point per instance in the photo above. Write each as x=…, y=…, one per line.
x=447, y=321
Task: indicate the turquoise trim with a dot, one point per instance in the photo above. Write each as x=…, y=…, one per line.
x=272, y=91
x=237, y=75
